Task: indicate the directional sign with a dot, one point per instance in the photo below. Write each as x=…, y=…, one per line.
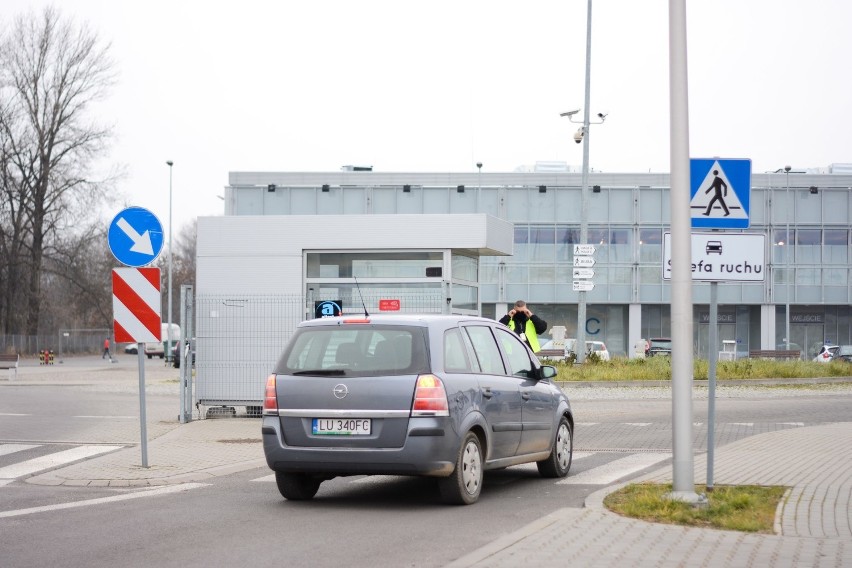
x=586, y=261
x=720, y=193
x=580, y=273
x=722, y=257
x=584, y=250
x=136, y=305
x=135, y=237
x=583, y=286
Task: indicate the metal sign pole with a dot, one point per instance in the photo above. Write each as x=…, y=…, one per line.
x=142, y=420
x=712, y=357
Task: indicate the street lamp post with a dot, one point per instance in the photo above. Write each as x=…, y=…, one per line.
x=168, y=353
x=582, y=135
x=787, y=262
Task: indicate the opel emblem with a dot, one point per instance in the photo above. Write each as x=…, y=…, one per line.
x=340, y=391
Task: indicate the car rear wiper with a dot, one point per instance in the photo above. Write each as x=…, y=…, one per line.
x=322, y=372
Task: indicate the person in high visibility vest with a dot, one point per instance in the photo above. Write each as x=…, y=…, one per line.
x=525, y=323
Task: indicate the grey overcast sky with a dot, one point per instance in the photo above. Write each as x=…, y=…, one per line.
x=411, y=85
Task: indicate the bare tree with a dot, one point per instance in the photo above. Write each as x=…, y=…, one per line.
x=183, y=267
x=51, y=71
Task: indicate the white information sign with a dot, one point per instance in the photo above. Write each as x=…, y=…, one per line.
x=721, y=257
x=584, y=250
x=580, y=273
x=583, y=285
x=586, y=261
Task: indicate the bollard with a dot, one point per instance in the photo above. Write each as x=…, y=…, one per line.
x=41, y=357
x=50, y=357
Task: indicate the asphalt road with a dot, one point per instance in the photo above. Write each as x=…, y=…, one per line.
x=241, y=519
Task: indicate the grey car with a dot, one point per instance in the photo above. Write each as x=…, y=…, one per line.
x=442, y=396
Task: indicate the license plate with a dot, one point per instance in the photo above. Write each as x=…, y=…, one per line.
x=342, y=426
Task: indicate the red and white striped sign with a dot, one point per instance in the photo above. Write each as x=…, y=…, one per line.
x=136, y=304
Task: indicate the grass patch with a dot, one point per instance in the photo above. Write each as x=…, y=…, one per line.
x=745, y=508
x=660, y=368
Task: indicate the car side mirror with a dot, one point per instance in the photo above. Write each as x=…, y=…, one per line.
x=547, y=372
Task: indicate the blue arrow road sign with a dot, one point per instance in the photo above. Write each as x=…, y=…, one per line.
x=720, y=193
x=135, y=237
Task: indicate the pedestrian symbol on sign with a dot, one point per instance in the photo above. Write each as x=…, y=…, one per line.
x=717, y=185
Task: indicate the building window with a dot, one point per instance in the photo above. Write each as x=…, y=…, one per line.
x=372, y=265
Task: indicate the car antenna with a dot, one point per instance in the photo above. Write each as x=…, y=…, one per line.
x=366, y=315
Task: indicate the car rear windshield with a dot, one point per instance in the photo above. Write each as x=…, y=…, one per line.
x=355, y=350
x=661, y=343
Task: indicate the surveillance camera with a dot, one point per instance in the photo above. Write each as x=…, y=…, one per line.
x=578, y=136
x=478, y=164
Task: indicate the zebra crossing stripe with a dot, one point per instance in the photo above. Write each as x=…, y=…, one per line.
x=53, y=460
x=124, y=497
x=611, y=472
x=7, y=449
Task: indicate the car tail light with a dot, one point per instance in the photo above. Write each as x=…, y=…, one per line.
x=430, y=397
x=270, y=400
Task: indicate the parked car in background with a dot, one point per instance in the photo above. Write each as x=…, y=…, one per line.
x=659, y=346
x=448, y=397
x=596, y=347
x=131, y=348
x=177, y=354
x=825, y=353
x=844, y=353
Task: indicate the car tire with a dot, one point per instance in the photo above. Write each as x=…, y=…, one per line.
x=558, y=462
x=463, y=486
x=296, y=486
x=150, y=356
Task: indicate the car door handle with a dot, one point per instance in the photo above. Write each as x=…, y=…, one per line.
x=486, y=392
x=525, y=396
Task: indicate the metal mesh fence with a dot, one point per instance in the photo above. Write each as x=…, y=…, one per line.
x=240, y=338
x=66, y=342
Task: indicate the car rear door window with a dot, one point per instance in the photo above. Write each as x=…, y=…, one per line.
x=516, y=353
x=485, y=348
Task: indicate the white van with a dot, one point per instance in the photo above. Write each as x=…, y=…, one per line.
x=158, y=349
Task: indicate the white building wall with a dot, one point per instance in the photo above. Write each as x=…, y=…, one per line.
x=263, y=254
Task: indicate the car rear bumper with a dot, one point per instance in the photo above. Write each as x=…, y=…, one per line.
x=430, y=448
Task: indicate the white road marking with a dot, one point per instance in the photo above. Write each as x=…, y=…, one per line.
x=749, y=424
x=638, y=423
x=11, y=414
x=53, y=460
x=792, y=423
x=7, y=449
x=265, y=478
x=124, y=497
x=130, y=417
x=612, y=471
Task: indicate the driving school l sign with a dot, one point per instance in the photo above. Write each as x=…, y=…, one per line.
x=720, y=193
x=720, y=257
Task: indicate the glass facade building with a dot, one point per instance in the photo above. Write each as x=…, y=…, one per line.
x=805, y=218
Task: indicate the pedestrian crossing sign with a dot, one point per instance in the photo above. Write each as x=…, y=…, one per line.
x=720, y=192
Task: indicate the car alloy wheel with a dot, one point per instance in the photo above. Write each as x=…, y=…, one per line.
x=558, y=463
x=463, y=486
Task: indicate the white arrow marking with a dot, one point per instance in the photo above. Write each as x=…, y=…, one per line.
x=141, y=243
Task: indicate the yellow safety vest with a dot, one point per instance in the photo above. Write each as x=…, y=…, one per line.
x=529, y=332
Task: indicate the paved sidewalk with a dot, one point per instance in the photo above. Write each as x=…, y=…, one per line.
x=812, y=525
x=196, y=451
